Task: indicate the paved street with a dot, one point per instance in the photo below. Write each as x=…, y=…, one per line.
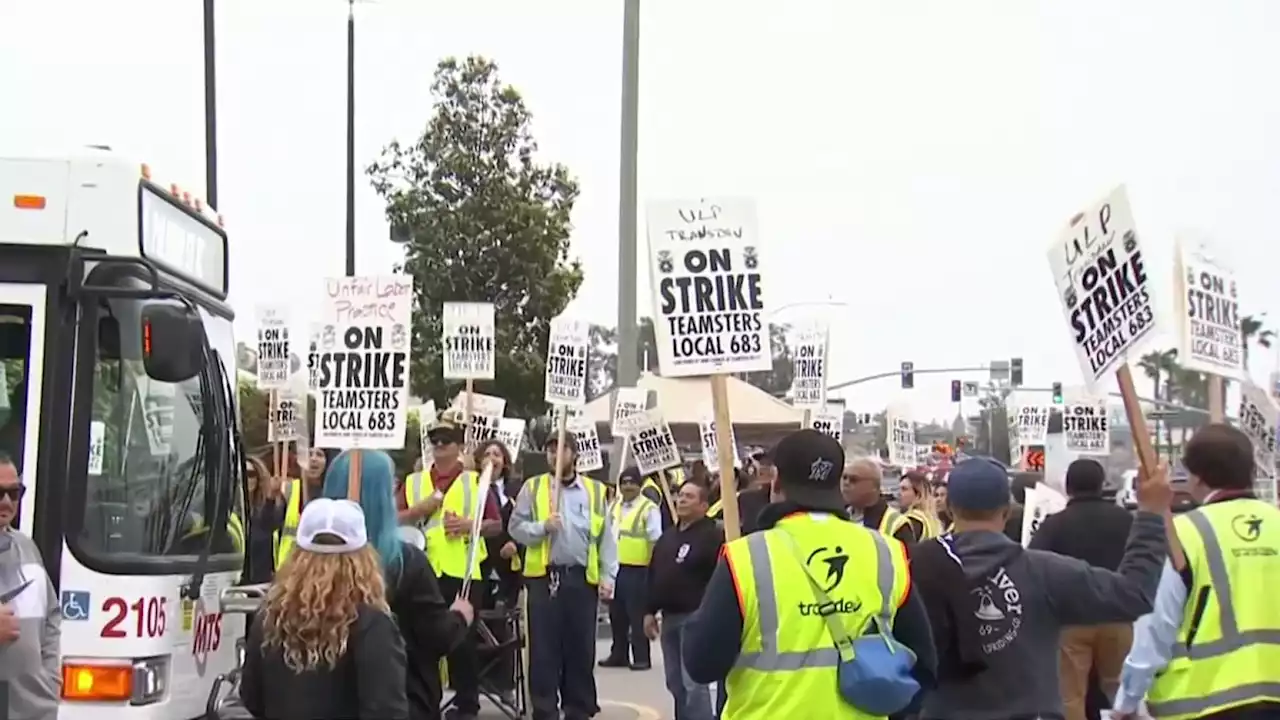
x=624, y=694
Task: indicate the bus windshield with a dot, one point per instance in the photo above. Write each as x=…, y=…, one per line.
x=146, y=491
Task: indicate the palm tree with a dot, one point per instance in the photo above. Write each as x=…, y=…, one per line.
x=1155, y=365
x=1253, y=328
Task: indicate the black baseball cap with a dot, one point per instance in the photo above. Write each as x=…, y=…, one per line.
x=631, y=476
x=809, y=464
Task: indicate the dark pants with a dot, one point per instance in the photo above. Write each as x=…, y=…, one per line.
x=692, y=701
x=464, y=662
x=562, y=645
x=626, y=616
x=503, y=595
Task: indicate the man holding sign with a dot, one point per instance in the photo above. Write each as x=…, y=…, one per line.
x=571, y=562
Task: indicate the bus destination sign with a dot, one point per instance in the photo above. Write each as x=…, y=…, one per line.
x=171, y=236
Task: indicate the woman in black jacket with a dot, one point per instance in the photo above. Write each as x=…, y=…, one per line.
x=324, y=646
x=431, y=628
x=504, y=562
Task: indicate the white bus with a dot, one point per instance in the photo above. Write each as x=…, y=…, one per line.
x=118, y=405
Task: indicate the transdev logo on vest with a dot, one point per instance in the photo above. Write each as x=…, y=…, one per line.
x=827, y=566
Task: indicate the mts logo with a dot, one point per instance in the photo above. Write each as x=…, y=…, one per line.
x=206, y=634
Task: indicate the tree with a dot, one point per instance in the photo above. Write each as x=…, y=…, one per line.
x=1253, y=329
x=483, y=222
x=604, y=357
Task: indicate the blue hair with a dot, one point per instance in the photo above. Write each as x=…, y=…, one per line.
x=377, y=487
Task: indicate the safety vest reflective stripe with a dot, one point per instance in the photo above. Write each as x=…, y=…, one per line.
x=448, y=556
x=768, y=659
x=891, y=522
x=634, y=525
x=538, y=555
x=928, y=524
x=284, y=537
x=1179, y=693
x=415, y=492
x=716, y=507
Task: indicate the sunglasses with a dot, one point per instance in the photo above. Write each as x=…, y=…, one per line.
x=13, y=493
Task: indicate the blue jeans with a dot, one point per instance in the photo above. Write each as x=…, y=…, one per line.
x=692, y=701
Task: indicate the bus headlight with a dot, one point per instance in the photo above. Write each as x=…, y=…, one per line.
x=138, y=682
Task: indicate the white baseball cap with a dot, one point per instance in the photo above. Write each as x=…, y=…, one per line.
x=331, y=527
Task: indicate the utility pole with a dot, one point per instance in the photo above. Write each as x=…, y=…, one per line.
x=351, y=138
x=210, y=108
x=628, y=329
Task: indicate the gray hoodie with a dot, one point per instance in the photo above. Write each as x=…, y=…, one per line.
x=30, y=667
x=1023, y=599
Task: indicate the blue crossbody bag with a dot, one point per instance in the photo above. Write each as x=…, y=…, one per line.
x=874, y=670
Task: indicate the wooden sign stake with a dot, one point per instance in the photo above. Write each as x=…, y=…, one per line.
x=724, y=452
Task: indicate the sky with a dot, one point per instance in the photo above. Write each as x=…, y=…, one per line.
x=911, y=161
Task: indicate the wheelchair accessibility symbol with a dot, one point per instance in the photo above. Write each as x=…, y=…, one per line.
x=75, y=605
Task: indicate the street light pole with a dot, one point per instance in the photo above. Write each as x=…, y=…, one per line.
x=351, y=138
x=210, y=109
x=628, y=329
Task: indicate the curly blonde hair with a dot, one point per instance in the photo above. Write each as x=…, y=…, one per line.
x=313, y=603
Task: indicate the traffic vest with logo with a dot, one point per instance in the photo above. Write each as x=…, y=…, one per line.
x=536, y=555
x=787, y=665
x=448, y=555
x=284, y=537
x=634, y=547
x=1228, y=647
x=930, y=527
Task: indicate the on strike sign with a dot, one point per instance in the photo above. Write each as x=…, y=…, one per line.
x=1101, y=278
x=567, y=348
x=467, y=341
x=273, y=348
x=708, y=290
x=362, y=362
x=652, y=444
x=1209, y=326
x=809, y=384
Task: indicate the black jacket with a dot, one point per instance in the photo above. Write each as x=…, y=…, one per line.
x=429, y=627
x=871, y=517
x=367, y=683
x=713, y=634
x=508, y=586
x=681, y=566
x=1090, y=529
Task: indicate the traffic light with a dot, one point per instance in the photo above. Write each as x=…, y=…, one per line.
x=1057, y=393
x=955, y=391
x=908, y=375
x=1015, y=372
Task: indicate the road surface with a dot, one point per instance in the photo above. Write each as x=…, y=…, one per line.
x=624, y=694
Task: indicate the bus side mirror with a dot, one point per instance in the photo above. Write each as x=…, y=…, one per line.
x=172, y=342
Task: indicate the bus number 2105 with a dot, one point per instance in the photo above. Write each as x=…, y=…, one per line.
x=148, y=617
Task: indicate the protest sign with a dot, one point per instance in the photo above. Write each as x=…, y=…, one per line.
x=587, y=439
x=710, y=314
x=901, y=437
x=362, y=364
x=1041, y=502
x=1033, y=424
x=313, y=356
x=628, y=408
x=273, y=348
x=829, y=420
x=652, y=444
x=567, y=348
x=511, y=433
x=1100, y=276
x=809, y=377
x=1209, y=334
x=1258, y=418
x=426, y=418
x=486, y=417
x=97, y=444
x=1086, y=425
x=710, y=448
x=287, y=419
x=467, y=341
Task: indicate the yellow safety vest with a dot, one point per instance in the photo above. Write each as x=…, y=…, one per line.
x=634, y=547
x=930, y=526
x=284, y=537
x=537, y=554
x=235, y=528
x=891, y=522
x=787, y=665
x=1228, y=647
x=650, y=483
x=448, y=555
x=715, y=509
